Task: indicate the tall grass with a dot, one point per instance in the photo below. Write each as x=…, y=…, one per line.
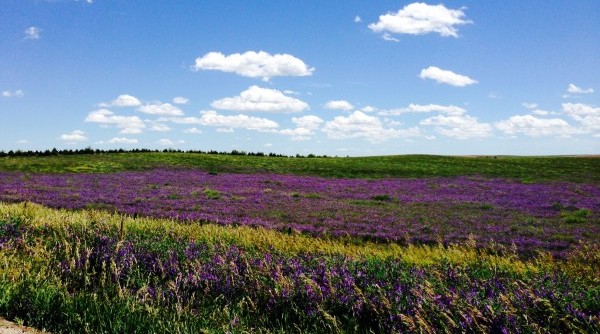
x=96, y=272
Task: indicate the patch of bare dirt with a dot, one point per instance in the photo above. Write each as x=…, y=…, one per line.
x=7, y=327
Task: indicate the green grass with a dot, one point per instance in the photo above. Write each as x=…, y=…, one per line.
x=526, y=169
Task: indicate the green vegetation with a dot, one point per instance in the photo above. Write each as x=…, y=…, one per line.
x=527, y=169
x=212, y=193
x=95, y=272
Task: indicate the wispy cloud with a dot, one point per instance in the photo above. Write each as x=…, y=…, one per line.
x=14, y=93
x=33, y=33
x=446, y=77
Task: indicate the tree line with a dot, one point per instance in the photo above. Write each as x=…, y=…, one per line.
x=88, y=150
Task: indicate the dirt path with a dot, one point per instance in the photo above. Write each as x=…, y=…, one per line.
x=7, y=327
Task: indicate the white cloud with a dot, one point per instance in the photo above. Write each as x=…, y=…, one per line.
x=122, y=140
x=588, y=116
x=535, y=127
x=305, y=127
x=22, y=141
x=254, y=64
x=418, y=108
x=389, y=38
x=131, y=131
x=164, y=109
x=159, y=127
x=268, y=145
x=32, y=33
x=357, y=19
x=169, y=142
x=211, y=118
x=361, y=125
x=447, y=77
x=580, y=110
x=368, y=109
x=298, y=134
x=530, y=105
x=458, y=126
x=419, y=19
x=339, y=105
x=540, y=112
x=123, y=101
x=128, y=124
x=181, y=100
x=74, y=137
x=16, y=93
x=309, y=122
x=577, y=90
x=193, y=130
x=261, y=99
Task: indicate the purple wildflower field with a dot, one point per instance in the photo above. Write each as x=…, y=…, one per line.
x=427, y=210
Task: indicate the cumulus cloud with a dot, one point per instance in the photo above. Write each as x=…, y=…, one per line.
x=445, y=76
x=419, y=108
x=261, y=99
x=419, y=19
x=254, y=64
x=14, y=93
x=163, y=109
x=305, y=127
x=181, y=100
x=212, y=118
x=169, y=142
x=32, y=33
x=123, y=101
x=535, y=127
x=339, y=105
x=309, y=121
x=361, y=125
x=458, y=126
x=122, y=140
x=159, y=127
x=368, y=109
x=577, y=90
x=127, y=124
x=540, y=112
x=578, y=110
x=73, y=137
x=588, y=116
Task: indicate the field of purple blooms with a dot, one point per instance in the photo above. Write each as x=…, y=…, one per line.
x=187, y=249
x=552, y=217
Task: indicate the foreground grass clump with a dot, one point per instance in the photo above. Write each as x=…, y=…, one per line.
x=90, y=271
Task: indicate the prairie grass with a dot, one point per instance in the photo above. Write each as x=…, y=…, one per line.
x=91, y=271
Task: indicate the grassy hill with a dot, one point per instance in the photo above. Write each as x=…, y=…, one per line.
x=527, y=169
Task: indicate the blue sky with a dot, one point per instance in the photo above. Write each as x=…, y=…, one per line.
x=326, y=77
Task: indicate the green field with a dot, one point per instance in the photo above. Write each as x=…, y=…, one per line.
x=527, y=169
